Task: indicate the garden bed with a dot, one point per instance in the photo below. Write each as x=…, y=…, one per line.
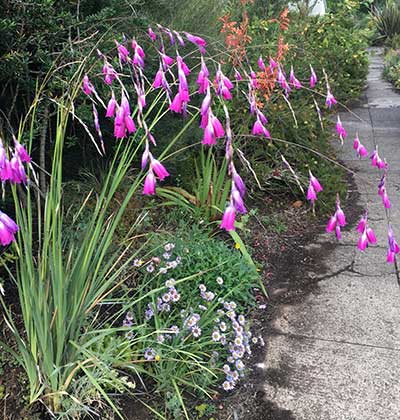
x=146, y=294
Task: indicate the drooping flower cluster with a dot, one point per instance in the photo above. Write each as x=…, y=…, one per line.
x=393, y=247
x=156, y=168
x=359, y=148
x=259, y=128
x=123, y=121
x=367, y=234
x=224, y=85
x=313, y=188
x=293, y=79
x=13, y=171
x=330, y=99
x=376, y=160
x=382, y=192
x=337, y=221
x=108, y=71
x=182, y=98
x=236, y=204
x=8, y=228
x=340, y=130
x=173, y=73
x=212, y=126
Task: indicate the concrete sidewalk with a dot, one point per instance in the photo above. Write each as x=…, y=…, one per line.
x=338, y=351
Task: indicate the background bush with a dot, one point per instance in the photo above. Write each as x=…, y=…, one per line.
x=334, y=43
x=387, y=18
x=391, y=70
x=118, y=362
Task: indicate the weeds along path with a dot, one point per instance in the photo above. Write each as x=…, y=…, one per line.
x=335, y=354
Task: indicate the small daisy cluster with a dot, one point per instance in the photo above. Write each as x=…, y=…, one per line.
x=165, y=263
x=232, y=332
x=128, y=323
x=204, y=317
x=163, y=303
x=191, y=323
x=205, y=294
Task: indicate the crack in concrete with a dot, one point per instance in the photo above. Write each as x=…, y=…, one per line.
x=348, y=268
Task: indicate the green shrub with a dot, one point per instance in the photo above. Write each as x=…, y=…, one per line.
x=387, y=18
x=332, y=43
x=186, y=321
x=392, y=67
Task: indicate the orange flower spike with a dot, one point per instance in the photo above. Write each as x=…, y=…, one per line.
x=237, y=37
x=284, y=20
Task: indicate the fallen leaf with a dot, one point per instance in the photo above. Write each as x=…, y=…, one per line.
x=297, y=204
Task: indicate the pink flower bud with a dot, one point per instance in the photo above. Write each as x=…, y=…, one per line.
x=8, y=223
x=158, y=168
x=238, y=76
x=152, y=34
x=149, y=184
x=341, y=218
x=167, y=61
x=361, y=225
x=338, y=233
x=129, y=124
x=145, y=156
x=228, y=219
x=293, y=80
x=371, y=236
x=87, y=87
x=390, y=256
x=209, y=137
x=330, y=227
x=272, y=63
x=158, y=80
x=261, y=64
x=217, y=126
x=238, y=201
x=315, y=183
x=238, y=181
x=21, y=152
x=311, y=195
x=6, y=171
x=313, y=78
x=340, y=129
x=362, y=242
x=111, y=106
x=6, y=236
x=330, y=99
x=18, y=174
x=200, y=42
